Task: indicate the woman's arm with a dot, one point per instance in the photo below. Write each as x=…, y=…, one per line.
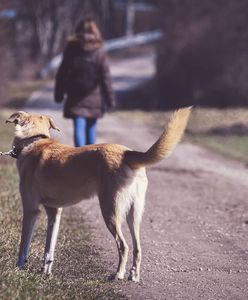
x=106, y=81
x=61, y=76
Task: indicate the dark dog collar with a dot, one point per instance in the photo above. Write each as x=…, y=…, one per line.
x=16, y=150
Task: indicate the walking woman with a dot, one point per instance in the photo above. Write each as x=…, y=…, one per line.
x=84, y=78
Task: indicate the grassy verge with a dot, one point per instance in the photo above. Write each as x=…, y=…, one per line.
x=78, y=273
x=224, y=131
x=233, y=146
x=19, y=92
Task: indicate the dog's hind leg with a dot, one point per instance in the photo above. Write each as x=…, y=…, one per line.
x=114, y=227
x=113, y=221
x=53, y=216
x=134, y=227
x=134, y=220
x=28, y=224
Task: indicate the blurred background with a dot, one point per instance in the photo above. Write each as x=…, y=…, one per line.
x=163, y=54
x=201, y=57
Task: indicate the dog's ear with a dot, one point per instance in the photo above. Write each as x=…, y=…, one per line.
x=19, y=117
x=52, y=124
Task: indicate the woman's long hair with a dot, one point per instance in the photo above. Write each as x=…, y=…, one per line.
x=88, y=33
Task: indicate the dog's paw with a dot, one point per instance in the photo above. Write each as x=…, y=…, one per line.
x=116, y=276
x=134, y=276
x=47, y=268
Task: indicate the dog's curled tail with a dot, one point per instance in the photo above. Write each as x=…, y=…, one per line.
x=164, y=146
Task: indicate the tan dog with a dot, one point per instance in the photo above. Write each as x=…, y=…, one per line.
x=57, y=175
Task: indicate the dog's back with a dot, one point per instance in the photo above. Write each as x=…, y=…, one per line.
x=65, y=175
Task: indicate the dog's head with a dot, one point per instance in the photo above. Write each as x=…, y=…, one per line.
x=27, y=125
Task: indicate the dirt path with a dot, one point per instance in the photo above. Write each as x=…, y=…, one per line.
x=194, y=232
x=194, y=229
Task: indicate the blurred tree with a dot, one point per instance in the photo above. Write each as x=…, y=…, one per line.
x=130, y=17
x=7, y=61
x=45, y=22
x=203, y=58
x=45, y=25
x=35, y=31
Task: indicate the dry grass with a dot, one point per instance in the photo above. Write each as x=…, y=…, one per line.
x=78, y=271
x=205, y=119
x=19, y=92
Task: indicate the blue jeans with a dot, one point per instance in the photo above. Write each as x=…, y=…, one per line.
x=84, y=131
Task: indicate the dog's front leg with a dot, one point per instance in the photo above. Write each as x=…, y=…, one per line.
x=53, y=215
x=28, y=224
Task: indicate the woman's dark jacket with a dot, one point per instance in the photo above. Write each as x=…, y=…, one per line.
x=85, y=78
